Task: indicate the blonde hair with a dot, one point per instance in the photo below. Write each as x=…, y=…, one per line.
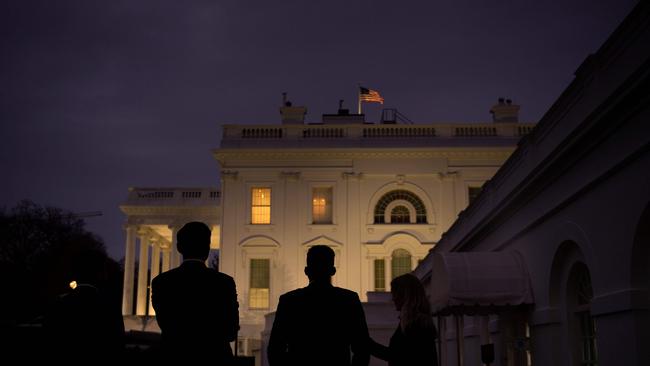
x=416, y=310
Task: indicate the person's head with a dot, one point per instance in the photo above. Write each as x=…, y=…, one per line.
x=320, y=264
x=193, y=240
x=408, y=295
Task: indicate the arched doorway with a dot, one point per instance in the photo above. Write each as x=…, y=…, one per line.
x=580, y=324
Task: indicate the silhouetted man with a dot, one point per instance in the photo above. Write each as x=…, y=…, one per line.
x=196, y=307
x=319, y=324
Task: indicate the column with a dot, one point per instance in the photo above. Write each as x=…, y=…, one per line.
x=353, y=226
x=143, y=268
x=387, y=271
x=166, y=254
x=129, y=269
x=155, y=269
x=175, y=256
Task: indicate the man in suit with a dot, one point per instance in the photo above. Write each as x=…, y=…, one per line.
x=319, y=324
x=196, y=306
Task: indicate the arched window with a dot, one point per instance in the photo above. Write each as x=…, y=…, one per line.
x=420, y=212
x=581, y=323
x=400, y=215
x=400, y=263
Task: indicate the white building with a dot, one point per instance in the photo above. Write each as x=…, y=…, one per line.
x=551, y=262
x=380, y=194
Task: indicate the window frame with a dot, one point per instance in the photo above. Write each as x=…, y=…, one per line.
x=331, y=203
x=250, y=280
x=251, y=188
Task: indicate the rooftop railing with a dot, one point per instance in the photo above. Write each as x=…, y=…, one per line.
x=174, y=196
x=242, y=133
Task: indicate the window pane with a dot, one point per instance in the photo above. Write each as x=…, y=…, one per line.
x=380, y=275
x=260, y=205
x=261, y=196
x=400, y=263
x=400, y=215
x=260, y=281
x=322, y=205
x=259, y=298
x=261, y=215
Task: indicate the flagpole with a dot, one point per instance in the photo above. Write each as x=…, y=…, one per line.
x=359, y=100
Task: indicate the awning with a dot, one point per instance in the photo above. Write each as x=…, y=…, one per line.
x=478, y=282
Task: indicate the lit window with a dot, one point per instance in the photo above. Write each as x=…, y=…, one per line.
x=380, y=275
x=410, y=197
x=472, y=193
x=260, y=280
x=400, y=215
x=261, y=205
x=322, y=205
x=400, y=263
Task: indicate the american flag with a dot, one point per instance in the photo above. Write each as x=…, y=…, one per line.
x=369, y=95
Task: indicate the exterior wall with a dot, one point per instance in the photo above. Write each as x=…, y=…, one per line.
x=577, y=192
x=357, y=184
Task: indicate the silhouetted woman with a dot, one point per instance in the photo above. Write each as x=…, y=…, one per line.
x=413, y=342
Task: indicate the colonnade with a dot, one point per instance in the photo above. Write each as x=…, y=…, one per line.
x=156, y=254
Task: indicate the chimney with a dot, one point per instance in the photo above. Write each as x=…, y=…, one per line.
x=505, y=111
x=291, y=115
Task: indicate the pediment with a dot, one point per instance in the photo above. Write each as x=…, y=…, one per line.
x=259, y=241
x=322, y=240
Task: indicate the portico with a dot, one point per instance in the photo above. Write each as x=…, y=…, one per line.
x=154, y=215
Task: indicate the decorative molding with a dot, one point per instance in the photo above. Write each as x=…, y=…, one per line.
x=290, y=176
x=400, y=178
x=322, y=239
x=211, y=212
x=230, y=175
x=259, y=241
x=327, y=153
x=448, y=175
x=352, y=176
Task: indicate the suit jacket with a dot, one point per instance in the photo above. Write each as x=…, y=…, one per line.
x=197, y=311
x=319, y=325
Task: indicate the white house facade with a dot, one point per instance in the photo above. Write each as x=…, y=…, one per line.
x=380, y=195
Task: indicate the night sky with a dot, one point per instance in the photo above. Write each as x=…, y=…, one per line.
x=97, y=96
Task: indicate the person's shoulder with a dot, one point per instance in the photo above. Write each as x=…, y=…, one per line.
x=220, y=277
x=348, y=294
x=293, y=295
x=165, y=276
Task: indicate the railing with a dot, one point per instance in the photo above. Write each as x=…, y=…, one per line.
x=401, y=131
x=323, y=132
x=475, y=131
x=179, y=196
x=261, y=133
x=524, y=130
x=238, y=134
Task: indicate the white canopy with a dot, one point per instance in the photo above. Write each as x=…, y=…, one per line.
x=478, y=282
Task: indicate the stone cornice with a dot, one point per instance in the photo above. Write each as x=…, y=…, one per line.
x=206, y=211
x=223, y=155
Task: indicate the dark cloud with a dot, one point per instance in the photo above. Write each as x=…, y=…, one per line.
x=97, y=96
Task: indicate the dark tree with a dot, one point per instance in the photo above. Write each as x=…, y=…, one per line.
x=37, y=248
